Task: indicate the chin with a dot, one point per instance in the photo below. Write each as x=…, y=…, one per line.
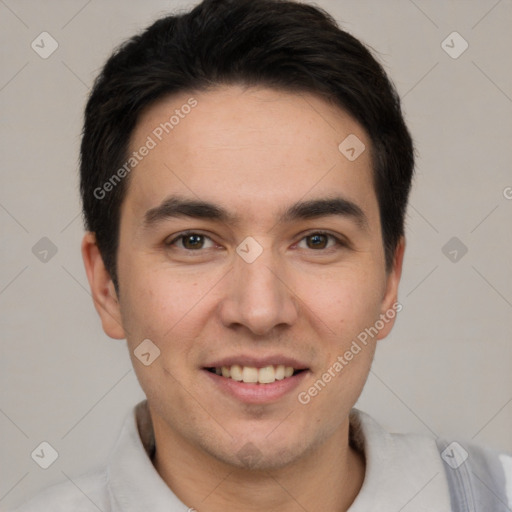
x=262, y=449
x=252, y=458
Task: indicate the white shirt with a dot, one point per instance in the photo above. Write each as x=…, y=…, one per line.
x=403, y=473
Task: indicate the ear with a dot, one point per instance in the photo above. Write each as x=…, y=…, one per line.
x=102, y=288
x=390, y=305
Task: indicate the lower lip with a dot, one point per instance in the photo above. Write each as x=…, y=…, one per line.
x=256, y=393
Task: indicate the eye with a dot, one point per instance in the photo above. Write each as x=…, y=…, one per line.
x=319, y=241
x=191, y=241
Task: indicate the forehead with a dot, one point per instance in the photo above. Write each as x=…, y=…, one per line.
x=252, y=149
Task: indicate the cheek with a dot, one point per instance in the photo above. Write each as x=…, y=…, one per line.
x=345, y=302
x=345, y=307
x=166, y=309
x=148, y=295
x=164, y=305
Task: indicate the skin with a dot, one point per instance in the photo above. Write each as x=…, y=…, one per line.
x=255, y=152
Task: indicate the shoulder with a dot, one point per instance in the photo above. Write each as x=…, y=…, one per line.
x=478, y=475
x=399, y=468
x=87, y=493
x=441, y=472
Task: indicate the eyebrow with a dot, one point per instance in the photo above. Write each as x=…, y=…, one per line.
x=176, y=207
x=316, y=208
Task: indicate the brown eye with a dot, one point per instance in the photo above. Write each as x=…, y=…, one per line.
x=321, y=241
x=317, y=241
x=191, y=242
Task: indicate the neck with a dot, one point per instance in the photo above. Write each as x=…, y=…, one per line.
x=328, y=478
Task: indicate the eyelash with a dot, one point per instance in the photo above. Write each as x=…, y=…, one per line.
x=183, y=235
x=338, y=241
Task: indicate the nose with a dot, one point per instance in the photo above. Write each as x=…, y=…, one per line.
x=259, y=295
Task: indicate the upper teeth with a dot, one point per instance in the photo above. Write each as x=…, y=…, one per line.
x=251, y=374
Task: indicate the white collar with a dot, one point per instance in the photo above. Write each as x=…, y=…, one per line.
x=400, y=469
x=133, y=482
x=403, y=471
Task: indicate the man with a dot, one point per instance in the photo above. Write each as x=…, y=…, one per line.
x=245, y=169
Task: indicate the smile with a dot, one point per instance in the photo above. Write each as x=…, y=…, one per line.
x=252, y=375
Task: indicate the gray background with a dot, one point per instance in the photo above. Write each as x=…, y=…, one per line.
x=447, y=367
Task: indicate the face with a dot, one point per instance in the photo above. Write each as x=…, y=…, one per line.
x=250, y=247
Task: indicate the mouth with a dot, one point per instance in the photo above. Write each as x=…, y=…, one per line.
x=254, y=375
x=256, y=381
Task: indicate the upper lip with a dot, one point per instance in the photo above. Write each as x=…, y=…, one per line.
x=258, y=362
